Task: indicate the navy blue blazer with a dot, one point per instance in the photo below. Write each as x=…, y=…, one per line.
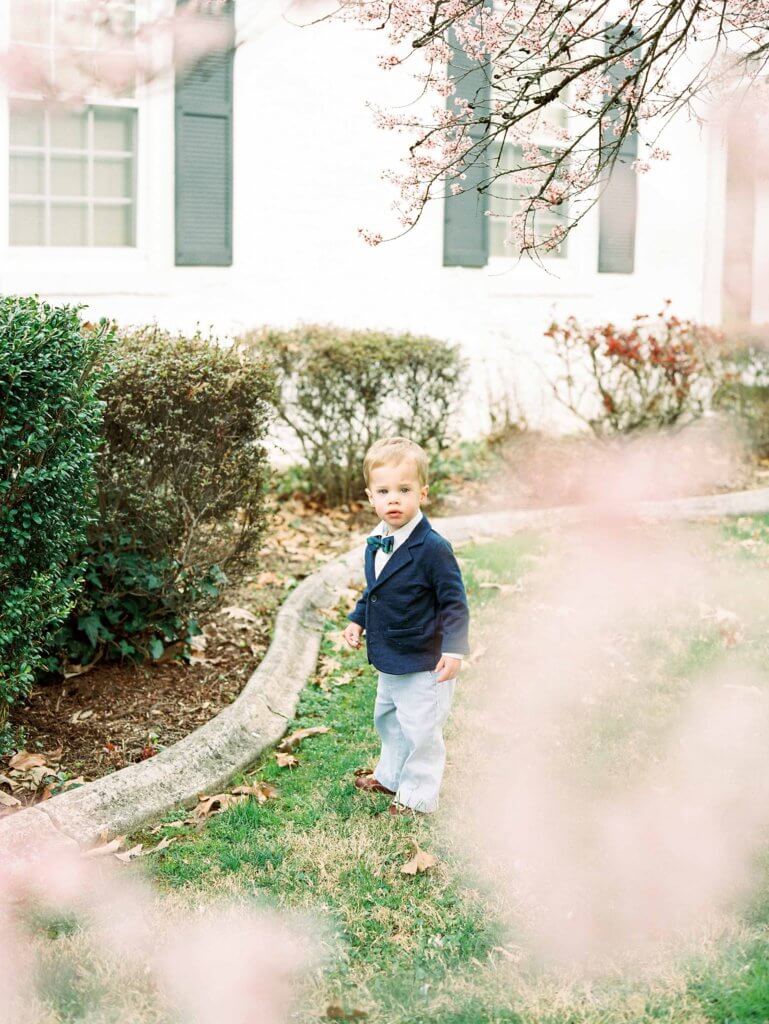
x=416, y=607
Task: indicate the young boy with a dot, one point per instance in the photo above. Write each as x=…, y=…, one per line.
x=415, y=614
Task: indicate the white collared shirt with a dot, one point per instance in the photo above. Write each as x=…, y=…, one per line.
x=399, y=536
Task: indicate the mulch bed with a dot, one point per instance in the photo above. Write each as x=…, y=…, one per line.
x=91, y=724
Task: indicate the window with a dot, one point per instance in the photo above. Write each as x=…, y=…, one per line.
x=507, y=192
x=72, y=171
x=505, y=199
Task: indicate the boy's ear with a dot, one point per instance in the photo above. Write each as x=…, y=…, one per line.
x=369, y=496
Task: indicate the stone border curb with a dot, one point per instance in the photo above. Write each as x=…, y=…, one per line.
x=206, y=759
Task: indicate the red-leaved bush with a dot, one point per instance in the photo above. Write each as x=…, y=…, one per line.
x=661, y=371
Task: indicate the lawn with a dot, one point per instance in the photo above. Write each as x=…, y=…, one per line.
x=433, y=947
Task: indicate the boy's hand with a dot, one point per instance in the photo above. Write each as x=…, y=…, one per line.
x=352, y=635
x=448, y=668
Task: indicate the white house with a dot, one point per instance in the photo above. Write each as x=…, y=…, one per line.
x=234, y=199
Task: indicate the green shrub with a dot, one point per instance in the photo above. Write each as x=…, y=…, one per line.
x=181, y=493
x=340, y=390
x=744, y=392
x=51, y=370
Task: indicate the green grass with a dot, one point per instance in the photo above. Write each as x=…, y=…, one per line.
x=432, y=949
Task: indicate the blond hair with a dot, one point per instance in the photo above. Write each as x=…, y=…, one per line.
x=389, y=451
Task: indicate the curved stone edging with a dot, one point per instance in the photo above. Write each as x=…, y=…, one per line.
x=207, y=758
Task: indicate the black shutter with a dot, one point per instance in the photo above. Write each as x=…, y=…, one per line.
x=204, y=157
x=465, y=225
x=617, y=207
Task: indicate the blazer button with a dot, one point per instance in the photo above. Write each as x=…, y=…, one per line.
x=373, y=597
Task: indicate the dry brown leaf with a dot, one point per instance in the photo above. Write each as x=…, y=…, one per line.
x=290, y=743
x=105, y=848
x=6, y=800
x=265, y=579
x=135, y=851
x=420, y=861
x=80, y=716
x=79, y=670
x=262, y=791
x=69, y=783
x=286, y=760
x=336, y=1012
x=199, y=642
x=240, y=614
x=24, y=760
x=168, y=824
x=210, y=805
x=164, y=842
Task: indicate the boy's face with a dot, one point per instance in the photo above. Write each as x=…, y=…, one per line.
x=395, y=493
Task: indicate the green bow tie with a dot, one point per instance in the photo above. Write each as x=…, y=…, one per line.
x=385, y=543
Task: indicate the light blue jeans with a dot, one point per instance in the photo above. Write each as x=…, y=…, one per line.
x=409, y=713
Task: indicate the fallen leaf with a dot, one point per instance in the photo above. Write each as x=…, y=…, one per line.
x=106, y=848
x=335, y=1012
x=79, y=670
x=23, y=761
x=210, y=805
x=286, y=760
x=262, y=791
x=199, y=642
x=170, y=652
x=241, y=614
x=164, y=842
x=6, y=800
x=80, y=716
x=290, y=743
x=135, y=851
x=327, y=665
x=265, y=579
x=420, y=861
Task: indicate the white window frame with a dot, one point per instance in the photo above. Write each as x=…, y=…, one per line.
x=89, y=199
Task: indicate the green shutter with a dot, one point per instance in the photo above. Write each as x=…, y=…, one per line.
x=465, y=224
x=617, y=208
x=204, y=158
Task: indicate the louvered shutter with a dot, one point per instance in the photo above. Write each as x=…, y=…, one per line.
x=618, y=203
x=465, y=224
x=203, y=132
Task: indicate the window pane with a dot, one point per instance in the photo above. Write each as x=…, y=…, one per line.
x=69, y=176
x=30, y=21
x=69, y=224
x=68, y=129
x=74, y=24
x=120, y=22
x=27, y=175
x=27, y=224
x=112, y=178
x=27, y=126
x=113, y=129
x=113, y=225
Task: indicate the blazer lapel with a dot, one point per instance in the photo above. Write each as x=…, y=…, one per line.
x=402, y=556
x=369, y=566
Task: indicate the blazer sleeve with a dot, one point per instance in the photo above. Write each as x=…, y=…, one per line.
x=453, y=610
x=358, y=614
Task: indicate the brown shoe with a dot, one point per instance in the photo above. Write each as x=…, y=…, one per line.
x=371, y=785
x=396, y=808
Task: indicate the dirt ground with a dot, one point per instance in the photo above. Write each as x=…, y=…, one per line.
x=89, y=725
